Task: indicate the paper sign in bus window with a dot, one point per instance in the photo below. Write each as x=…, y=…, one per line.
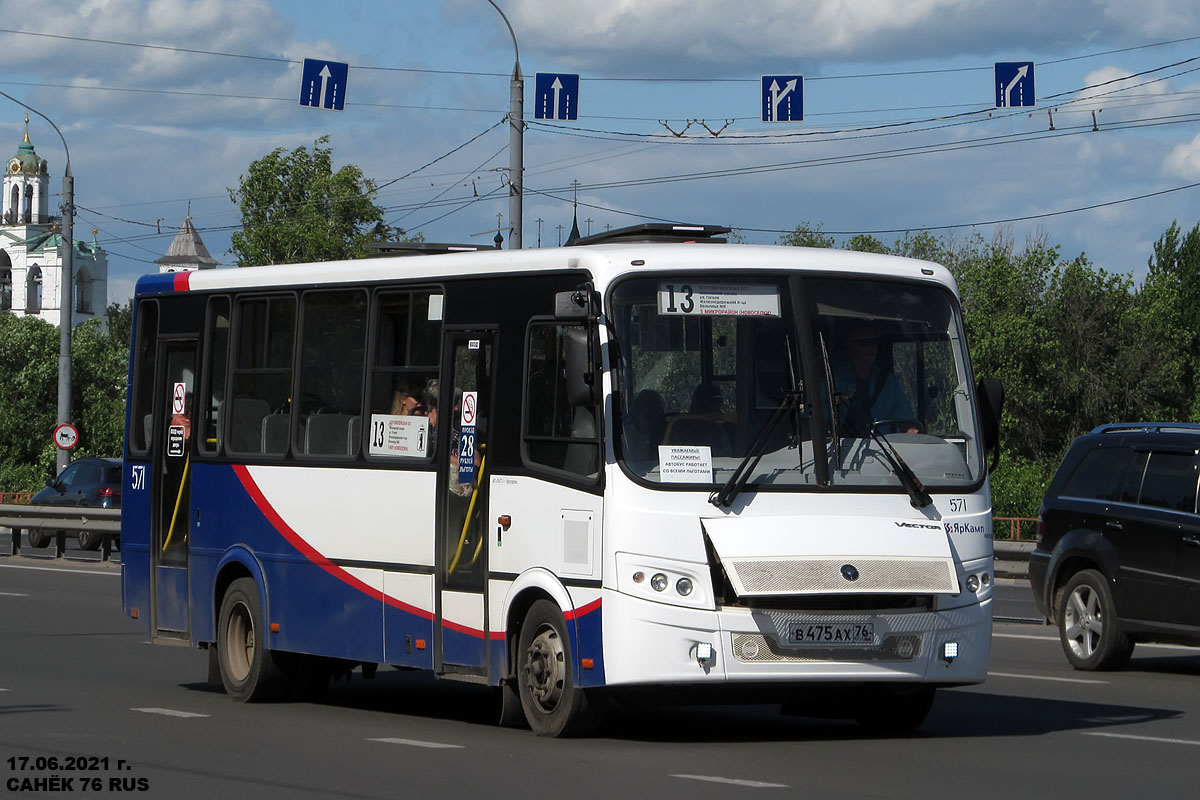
x=718, y=300
x=399, y=437
x=685, y=464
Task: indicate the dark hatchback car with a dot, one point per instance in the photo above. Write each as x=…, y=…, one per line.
x=1118, y=553
x=92, y=482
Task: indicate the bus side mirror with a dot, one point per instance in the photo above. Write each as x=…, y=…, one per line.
x=583, y=303
x=577, y=364
x=990, y=392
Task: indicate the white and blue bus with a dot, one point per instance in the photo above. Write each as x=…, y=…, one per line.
x=650, y=461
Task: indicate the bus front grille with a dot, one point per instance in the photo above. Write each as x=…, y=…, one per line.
x=784, y=576
x=755, y=648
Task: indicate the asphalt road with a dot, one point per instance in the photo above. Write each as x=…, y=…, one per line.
x=78, y=680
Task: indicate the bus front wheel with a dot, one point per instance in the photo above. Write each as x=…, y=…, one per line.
x=249, y=670
x=553, y=704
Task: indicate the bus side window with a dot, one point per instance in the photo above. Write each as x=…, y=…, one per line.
x=562, y=425
x=216, y=362
x=262, y=372
x=144, y=360
x=406, y=346
x=333, y=357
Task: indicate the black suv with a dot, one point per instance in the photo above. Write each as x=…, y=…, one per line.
x=1118, y=550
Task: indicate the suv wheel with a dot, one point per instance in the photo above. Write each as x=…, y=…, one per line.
x=1087, y=624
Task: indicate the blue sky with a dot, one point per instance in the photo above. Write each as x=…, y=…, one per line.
x=156, y=119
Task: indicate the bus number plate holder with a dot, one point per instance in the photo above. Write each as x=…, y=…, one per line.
x=859, y=634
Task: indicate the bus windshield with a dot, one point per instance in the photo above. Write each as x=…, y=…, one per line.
x=714, y=371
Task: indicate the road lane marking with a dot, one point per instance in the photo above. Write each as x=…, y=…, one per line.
x=418, y=743
x=1040, y=677
x=13, y=594
x=1140, y=645
x=114, y=573
x=733, y=781
x=1159, y=739
x=169, y=712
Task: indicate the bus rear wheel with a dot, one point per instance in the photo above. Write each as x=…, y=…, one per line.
x=249, y=671
x=553, y=704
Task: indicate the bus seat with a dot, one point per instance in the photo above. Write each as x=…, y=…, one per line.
x=328, y=434
x=246, y=424
x=275, y=433
x=148, y=428
x=355, y=435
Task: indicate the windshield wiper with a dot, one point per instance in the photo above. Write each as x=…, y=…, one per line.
x=724, y=497
x=917, y=493
x=833, y=412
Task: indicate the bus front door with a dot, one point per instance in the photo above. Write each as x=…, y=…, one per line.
x=465, y=401
x=171, y=504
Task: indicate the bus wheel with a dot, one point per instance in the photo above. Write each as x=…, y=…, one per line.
x=894, y=709
x=249, y=671
x=553, y=704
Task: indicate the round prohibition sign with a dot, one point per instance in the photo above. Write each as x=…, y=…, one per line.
x=468, y=408
x=66, y=436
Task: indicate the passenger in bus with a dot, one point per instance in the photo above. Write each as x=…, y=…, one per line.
x=867, y=392
x=647, y=425
x=404, y=402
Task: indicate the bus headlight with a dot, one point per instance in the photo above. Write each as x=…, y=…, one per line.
x=972, y=583
x=679, y=583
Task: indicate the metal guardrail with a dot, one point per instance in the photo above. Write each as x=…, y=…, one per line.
x=61, y=519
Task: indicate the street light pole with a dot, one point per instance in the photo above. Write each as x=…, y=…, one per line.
x=516, y=143
x=65, y=289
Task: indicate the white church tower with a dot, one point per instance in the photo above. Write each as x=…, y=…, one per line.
x=31, y=248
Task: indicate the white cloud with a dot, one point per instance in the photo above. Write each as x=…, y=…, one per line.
x=626, y=35
x=1183, y=162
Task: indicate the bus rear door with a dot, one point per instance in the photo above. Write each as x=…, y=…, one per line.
x=171, y=462
x=465, y=400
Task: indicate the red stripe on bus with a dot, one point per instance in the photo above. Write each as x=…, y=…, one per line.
x=457, y=628
x=582, y=610
x=310, y=552
x=181, y=281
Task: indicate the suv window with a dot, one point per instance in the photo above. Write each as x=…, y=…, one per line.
x=1170, y=481
x=1100, y=474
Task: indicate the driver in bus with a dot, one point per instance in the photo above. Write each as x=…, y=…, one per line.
x=867, y=392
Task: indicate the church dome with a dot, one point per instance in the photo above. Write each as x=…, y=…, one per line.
x=26, y=161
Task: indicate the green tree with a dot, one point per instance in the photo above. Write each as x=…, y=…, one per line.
x=866, y=243
x=296, y=208
x=807, y=235
x=28, y=401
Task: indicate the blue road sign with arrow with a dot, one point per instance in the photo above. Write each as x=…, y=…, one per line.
x=1014, y=84
x=323, y=84
x=556, y=96
x=782, y=98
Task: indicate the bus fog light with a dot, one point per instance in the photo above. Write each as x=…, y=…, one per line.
x=985, y=579
x=704, y=652
x=949, y=651
x=639, y=576
x=658, y=582
x=973, y=583
x=684, y=586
